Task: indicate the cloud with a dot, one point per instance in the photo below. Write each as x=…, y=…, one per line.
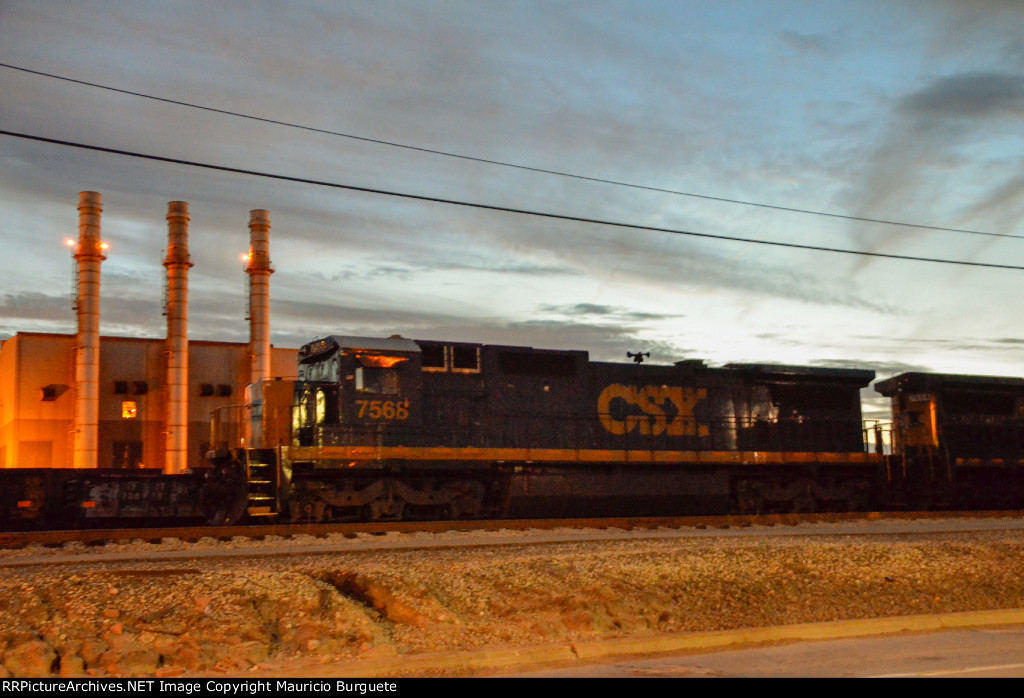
x=36, y=305
x=749, y=105
x=608, y=312
x=1003, y=205
x=407, y=270
x=909, y=169
x=972, y=96
x=817, y=44
x=297, y=322
x=35, y=311
x=882, y=369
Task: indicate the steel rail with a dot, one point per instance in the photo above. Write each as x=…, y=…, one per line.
x=98, y=536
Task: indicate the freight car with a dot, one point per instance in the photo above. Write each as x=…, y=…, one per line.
x=68, y=498
x=390, y=428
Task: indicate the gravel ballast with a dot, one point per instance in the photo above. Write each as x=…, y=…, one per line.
x=240, y=615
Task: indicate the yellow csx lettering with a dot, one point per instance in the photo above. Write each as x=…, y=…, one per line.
x=651, y=401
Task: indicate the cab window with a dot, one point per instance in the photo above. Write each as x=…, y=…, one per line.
x=381, y=381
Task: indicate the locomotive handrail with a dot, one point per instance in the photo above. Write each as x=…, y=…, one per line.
x=225, y=432
x=878, y=436
x=534, y=430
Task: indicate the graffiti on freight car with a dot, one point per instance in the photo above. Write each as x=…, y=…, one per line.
x=653, y=410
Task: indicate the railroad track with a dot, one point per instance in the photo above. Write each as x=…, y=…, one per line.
x=21, y=539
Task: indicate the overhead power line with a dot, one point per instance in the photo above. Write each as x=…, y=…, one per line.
x=503, y=209
x=500, y=163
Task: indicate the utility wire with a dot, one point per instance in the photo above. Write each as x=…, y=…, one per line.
x=503, y=209
x=508, y=164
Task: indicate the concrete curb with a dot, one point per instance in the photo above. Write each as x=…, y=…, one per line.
x=804, y=631
x=532, y=656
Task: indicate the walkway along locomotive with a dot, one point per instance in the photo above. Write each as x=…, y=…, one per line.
x=391, y=428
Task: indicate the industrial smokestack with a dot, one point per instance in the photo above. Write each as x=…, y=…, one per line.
x=176, y=405
x=89, y=253
x=259, y=271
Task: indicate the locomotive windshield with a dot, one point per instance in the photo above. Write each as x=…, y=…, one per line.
x=322, y=371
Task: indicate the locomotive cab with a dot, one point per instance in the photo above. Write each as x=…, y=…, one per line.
x=351, y=389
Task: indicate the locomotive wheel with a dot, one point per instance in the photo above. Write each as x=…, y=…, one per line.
x=306, y=509
x=390, y=509
x=749, y=497
x=469, y=504
x=803, y=499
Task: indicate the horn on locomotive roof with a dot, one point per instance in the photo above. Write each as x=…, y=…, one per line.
x=638, y=357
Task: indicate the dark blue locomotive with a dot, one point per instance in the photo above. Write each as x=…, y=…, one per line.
x=395, y=428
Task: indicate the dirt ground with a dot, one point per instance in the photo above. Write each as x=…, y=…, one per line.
x=239, y=616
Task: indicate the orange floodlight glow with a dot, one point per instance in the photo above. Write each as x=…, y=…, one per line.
x=379, y=360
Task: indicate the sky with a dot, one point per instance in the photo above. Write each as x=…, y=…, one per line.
x=894, y=111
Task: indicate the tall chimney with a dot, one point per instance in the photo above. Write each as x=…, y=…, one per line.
x=259, y=271
x=89, y=254
x=176, y=404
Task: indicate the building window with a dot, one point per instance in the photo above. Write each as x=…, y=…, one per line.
x=52, y=392
x=129, y=409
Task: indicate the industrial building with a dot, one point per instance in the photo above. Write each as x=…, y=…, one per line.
x=37, y=398
x=86, y=401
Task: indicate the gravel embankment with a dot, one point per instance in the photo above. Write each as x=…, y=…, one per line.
x=239, y=615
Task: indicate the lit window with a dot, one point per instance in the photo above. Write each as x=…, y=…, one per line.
x=129, y=410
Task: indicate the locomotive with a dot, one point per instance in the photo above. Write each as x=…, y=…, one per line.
x=391, y=428
x=397, y=429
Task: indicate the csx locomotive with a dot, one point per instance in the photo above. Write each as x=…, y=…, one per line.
x=391, y=428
